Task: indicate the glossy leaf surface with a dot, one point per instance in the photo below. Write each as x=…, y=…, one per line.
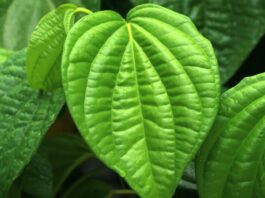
x=25, y=116
x=234, y=27
x=143, y=97
x=45, y=48
x=22, y=17
x=231, y=162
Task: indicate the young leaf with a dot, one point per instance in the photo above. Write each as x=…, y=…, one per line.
x=25, y=116
x=45, y=48
x=21, y=19
x=65, y=152
x=143, y=97
x=234, y=27
x=231, y=161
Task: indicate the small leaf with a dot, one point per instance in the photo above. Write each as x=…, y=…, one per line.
x=45, y=48
x=143, y=97
x=65, y=152
x=25, y=116
x=231, y=161
x=21, y=19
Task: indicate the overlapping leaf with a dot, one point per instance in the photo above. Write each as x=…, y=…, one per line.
x=231, y=162
x=234, y=27
x=22, y=17
x=65, y=152
x=45, y=48
x=143, y=97
x=25, y=116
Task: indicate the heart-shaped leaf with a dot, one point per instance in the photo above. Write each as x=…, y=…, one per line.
x=143, y=97
x=45, y=48
x=25, y=116
x=231, y=161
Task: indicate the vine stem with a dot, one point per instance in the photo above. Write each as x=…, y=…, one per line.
x=120, y=192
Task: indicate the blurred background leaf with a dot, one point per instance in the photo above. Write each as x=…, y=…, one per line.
x=21, y=19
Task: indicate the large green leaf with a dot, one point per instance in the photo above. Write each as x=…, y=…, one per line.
x=65, y=152
x=25, y=116
x=45, y=48
x=234, y=27
x=231, y=161
x=22, y=17
x=143, y=97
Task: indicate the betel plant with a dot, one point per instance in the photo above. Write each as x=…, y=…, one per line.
x=144, y=93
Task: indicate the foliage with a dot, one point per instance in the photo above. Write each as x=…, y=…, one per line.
x=143, y=91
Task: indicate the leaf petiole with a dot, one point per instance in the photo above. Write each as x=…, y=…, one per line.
x=83, y=10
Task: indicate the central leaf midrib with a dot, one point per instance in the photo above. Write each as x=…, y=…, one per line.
x=131, y=40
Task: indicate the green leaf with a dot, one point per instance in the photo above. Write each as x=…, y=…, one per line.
x=65, y=152
x=36, y=179
x=231, y=161
x=85, y=187
x=25, y=116
x=234, y=27
x=143, y=97
x=21, y=19
x=45, y=48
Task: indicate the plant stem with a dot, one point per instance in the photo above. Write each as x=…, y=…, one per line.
x=83, y=10
x=120, y=192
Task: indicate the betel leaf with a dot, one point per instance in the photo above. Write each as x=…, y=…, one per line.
x=45, y=48
x=231, y=161
x=65, y=152
x=25, y=116
x=21, y=19
x=143, y=97
x=234, y=27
